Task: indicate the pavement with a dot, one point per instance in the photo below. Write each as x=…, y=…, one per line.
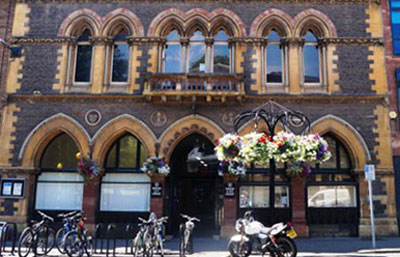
x=321, y=247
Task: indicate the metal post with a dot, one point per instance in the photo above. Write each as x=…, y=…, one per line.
x=371, y=208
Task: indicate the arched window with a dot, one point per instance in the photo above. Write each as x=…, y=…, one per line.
x=120, y=57
x=340, y=160
x=125, y=188
x=221, y=61
x=274, y=59
x=173, y=53
x=311, y=59
x=83, y=59
x=197, y=53
x=59, y=189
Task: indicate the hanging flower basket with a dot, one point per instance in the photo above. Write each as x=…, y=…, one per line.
x=231, y=168
x=155, y=166
x=298, y=152
x=87, y=167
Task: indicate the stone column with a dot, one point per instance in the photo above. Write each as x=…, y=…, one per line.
x=157, y=202
x=299, y=219
x=230, y=209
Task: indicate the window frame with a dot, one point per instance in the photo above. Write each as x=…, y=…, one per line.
x=194, y=43
x=119, y=83
x=75, y=64
x=221, y=43
x=320, y=63
x=164, y=47
x=284, y=55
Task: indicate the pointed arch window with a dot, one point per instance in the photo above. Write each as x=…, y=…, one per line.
x=172, y=53
x=221, y=55
x=120, y=57
x=59, y=189
x=274, y=57
x=197, y=53
x=313, y=60
x=83, y=59
x=125, y=188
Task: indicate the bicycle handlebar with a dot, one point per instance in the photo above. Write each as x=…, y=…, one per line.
x=44, y=216
x=190, y=218
x=68, y=214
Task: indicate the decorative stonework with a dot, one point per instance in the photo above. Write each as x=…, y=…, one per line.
x=42, y=40
x=145, y=40
x=93, y=117
x=202, y=1
x=228, y=118
x=158, y=119
x=352, y=41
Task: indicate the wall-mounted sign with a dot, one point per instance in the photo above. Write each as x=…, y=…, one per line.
x=13, y=188
x=156, y=189
x=229, y=190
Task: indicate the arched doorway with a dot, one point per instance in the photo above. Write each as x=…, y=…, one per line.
x=193, y=189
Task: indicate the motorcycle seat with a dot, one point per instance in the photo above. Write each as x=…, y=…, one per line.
x=266, y=230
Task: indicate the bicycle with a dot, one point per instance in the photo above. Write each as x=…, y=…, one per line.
x=156, y=235
x=142, y=240
x=78, y=241
x=37, y=237
x=185, y=235
x=69, y=223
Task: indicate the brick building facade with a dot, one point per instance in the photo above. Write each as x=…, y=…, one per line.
x=65, y=95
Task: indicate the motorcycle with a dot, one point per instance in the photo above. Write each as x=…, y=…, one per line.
x=277, y=240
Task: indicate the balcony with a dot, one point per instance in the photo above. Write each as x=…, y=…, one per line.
x=170, y=87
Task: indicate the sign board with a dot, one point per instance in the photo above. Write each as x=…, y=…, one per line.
x=12, y=188
x=156, y=189
x=229, y=190
x=369, y=172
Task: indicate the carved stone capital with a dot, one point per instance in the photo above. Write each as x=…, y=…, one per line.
x=101, y=40
x=145, y=40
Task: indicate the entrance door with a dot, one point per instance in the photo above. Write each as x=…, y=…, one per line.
x=193, y=190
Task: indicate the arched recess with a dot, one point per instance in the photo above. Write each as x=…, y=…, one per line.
x=272, y=18
x=316, y=19
x=348, y=135
x=78, y=18
x=45, y=131
x=184, y=127
x=114, y=128
x=125, y=17
x=187, y=19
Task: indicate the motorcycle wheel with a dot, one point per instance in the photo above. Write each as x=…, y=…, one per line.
x=237, y=249
x=286, y=247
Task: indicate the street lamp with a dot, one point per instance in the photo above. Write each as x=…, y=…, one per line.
x=15, y=51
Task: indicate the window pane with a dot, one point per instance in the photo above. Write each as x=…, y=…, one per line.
x=273, y=36
x=221, y=36
x=111, y=157
x=120, y=63
x=274, y=64
x=83, y=63
x=221, y=59
x=197, y=58
x=85, y=36
x=173, y=58
x=310, y=37
x=127, y=152
x=59, y=192
x=344, y=159
x=254, y=196
x=61, y=150
x=197, y=37
x=126, y=196
x=311, y=64
x=143, y=155
x=281, y=197
x=173, y=36
x=331, y=163
x=331, y=196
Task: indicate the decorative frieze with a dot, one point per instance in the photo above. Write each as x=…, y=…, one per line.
x=352, y=41
x=41, y=40
x=145, y=40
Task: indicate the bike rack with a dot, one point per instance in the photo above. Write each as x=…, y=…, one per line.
x=128, y=229
x=4, y=234
x=98, y=229
x=109, y=229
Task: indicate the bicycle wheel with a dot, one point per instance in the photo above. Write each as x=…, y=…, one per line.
x=88, y=243
x=60, y=240
x=45, y=240
x=73, y=244
x=148, y=245
x=160, y=245
x=138, y=246
x=25, y=242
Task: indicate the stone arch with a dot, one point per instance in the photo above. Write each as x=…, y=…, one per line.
x=184, y=127
x=187, y=19
x=272, y=18
x=316, y=19
x=114, y=128
x=348, y=135
x=78, y=18
x=45, y=131
x=125, y=17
